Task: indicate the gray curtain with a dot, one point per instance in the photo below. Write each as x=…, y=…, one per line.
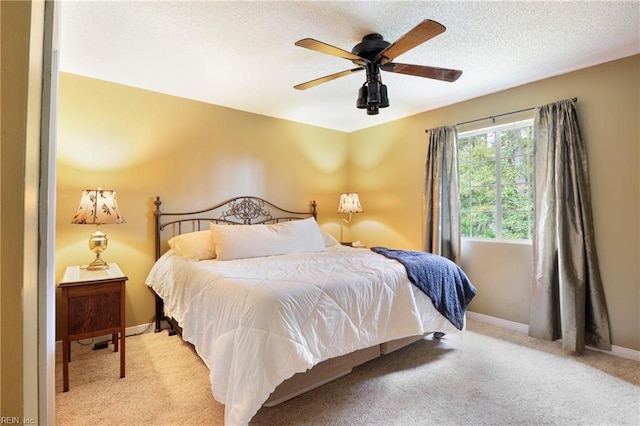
x=441, y=198
x=567, y=299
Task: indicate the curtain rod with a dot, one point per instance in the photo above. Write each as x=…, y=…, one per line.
x=493, y=117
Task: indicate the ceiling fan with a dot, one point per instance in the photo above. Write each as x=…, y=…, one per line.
x=374, y=54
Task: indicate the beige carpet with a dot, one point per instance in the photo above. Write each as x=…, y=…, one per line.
x=490, y=377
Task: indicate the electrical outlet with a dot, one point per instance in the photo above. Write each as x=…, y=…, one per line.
x=101, y=345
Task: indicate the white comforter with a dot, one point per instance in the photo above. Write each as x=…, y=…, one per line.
x=256, y=322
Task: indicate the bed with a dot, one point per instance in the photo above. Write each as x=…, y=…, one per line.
x=275, y=306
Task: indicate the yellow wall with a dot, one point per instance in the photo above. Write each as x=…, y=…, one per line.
x=191, y=154
x=387, y=167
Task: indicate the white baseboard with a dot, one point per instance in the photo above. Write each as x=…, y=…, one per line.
x=621, y=352
x=618, y=351
x=129, y=331
x=499, y=322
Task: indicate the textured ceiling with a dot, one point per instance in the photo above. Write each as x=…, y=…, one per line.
x=242, y=55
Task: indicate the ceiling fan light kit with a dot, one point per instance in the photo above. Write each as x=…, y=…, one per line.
x=373, y=55
x=372, y=96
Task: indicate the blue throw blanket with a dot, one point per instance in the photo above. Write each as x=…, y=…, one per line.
x=439, y=278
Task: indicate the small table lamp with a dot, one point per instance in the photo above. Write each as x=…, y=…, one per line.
x=349, y=203
x=97, y=207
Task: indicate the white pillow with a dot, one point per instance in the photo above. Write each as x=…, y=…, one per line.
x=329, y=240
x=196, y=245
x=243, y=241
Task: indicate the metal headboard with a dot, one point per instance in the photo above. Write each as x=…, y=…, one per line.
x=247, y=210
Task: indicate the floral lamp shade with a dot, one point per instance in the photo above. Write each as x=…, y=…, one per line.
x=97, y=207
x=349, y=203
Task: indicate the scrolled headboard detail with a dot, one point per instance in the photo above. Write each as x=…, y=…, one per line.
x=245, y=210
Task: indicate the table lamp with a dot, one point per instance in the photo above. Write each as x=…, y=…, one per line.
x=97, y=207
x=349, y=203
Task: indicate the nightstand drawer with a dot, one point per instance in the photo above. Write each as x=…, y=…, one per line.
x=94, y=309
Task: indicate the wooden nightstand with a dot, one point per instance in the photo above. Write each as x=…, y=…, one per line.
x=93, y=304
x=354, y=244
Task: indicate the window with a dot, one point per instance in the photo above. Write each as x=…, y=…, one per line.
x=496, y=181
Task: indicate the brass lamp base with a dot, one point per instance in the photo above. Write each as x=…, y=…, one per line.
x=98, y=243
x=97, y=265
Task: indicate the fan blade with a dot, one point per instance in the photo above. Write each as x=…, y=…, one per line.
x=318, y=46
x=317, y=81
x=422, y=32
x=436, y=73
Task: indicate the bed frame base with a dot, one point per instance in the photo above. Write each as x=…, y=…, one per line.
x=394, y=345
x=320, y=374
x=323, y=372
x=333, y=369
